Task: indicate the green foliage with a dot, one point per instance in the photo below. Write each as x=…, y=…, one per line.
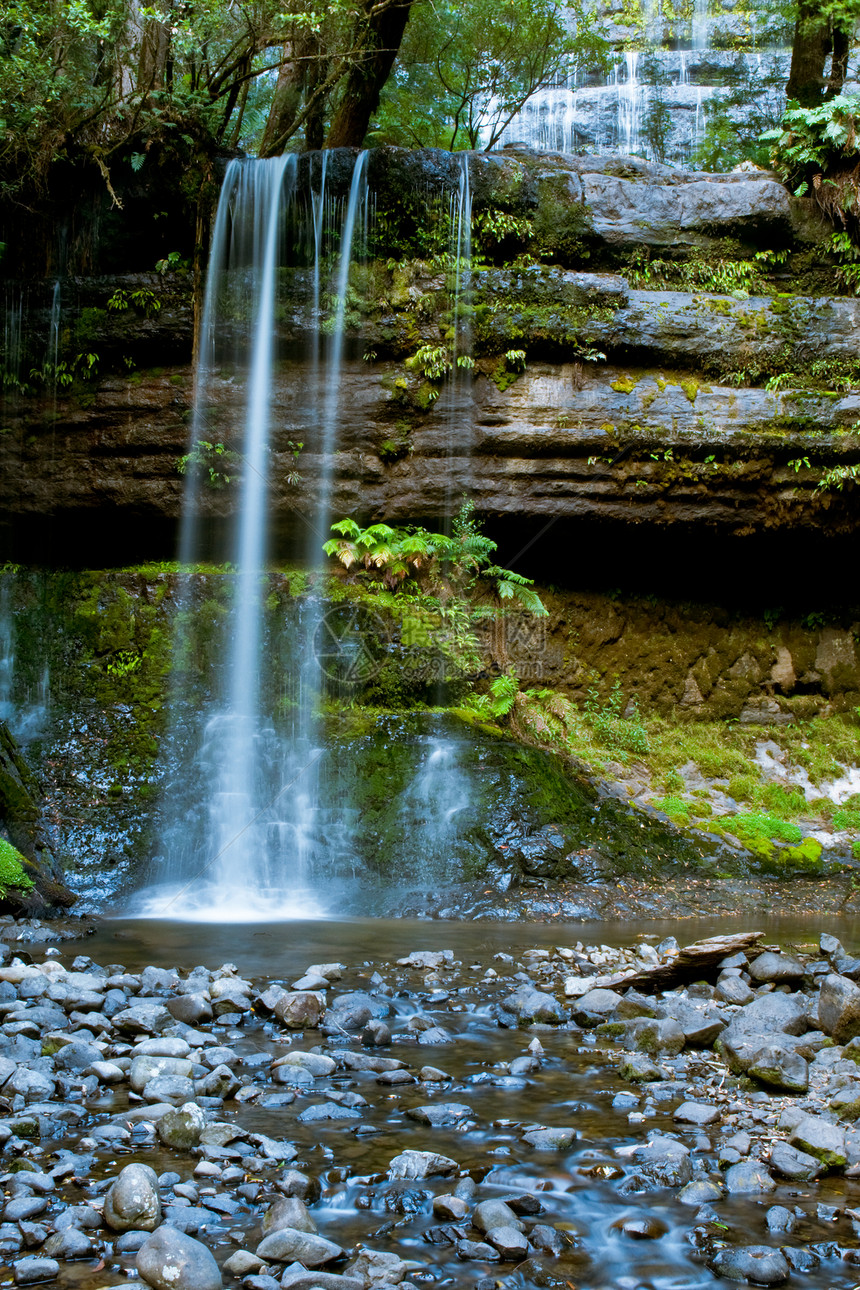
x=143, y=299
x=676, y=808
x=810, y=139
x=12, y=875
x=500, y=700
x=466, y=69
x=760, y=826
x=432, y=361
x=393, y=555
x=847, y=817
x=212, y=460
x=612, y=726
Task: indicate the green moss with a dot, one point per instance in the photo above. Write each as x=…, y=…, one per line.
x=690, y=388
x=624, y=385
x=12, y=875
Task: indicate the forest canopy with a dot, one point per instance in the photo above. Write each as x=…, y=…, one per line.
x=95, y=81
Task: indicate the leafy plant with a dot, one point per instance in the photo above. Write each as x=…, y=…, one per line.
x=815, y=149
x=612, y=726
x=213, y=459
x=431, y=361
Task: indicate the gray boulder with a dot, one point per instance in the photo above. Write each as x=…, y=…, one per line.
x=133, y=1200
x=527, y=1005
x=839, y=1008
x=171, y=1259
x=778, y=1067
x=761, y=1022
x=421, y=1164
x=821, y=1139
x=776, y=968
x=758, y=1264
x=289, y=1244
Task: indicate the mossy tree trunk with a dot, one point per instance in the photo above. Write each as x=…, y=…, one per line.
x=22, y=823
x=817, y=35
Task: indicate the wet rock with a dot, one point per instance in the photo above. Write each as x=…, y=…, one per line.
x=379, y=1267
x=775, y=967
x=749, y=1178
x=816, y=1137
x=142, y=1019
x=759, y=1023
x=479, y=1251
x=68, y=1244
x=495, y=1213
x=327, y=1111
x=699, y=1113
x=289, y=1244
x=427, y=959
x=780, y=1068
x=656, y=1035
x=701, y=1191
x=241, y=1263
x=780, y=1219
x=665, y=1162
x=555, y=1139
x=133, y=1200
x=509, y=1241
x=643, y=1229
x=288, y=1211
x=839, y=1008
x=791, y=1163
x=846, y=1103
x=293, y=1182
x=144, y=1069
x=24, y=1207
x=181, y=1128
x=170, y=1259
x=732, y=989
x=527, y=1005
x=757, y=1264
x=28, y=1272
x=421, y=1164
x=830, y=945
x=298, y=1278
x=639, y=1068
x=452, y=1208
x=599, y=1001
x=440, y=1114
x=300, y=1009
x=190, y=1009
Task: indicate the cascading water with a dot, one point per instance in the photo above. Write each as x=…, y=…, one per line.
x=246, y=849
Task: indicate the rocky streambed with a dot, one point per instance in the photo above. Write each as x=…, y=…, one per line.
x=657, y=1116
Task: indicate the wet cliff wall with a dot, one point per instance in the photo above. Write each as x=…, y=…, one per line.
x=656, y=352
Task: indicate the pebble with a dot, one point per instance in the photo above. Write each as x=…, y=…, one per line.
x=695, y=1133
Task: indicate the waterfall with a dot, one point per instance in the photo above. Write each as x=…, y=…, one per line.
x=459, y=418
x=7, y=649
x=629, y=105
x=700, y=25
x=242, y=821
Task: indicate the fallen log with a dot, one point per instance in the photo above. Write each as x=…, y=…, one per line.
x=690, y=963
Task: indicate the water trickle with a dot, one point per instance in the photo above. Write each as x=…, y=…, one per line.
x=7, y=649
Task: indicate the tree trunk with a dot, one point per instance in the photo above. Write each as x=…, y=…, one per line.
x=812, y=43
x=154, y=55
x=378, y=38
x=285, y=102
